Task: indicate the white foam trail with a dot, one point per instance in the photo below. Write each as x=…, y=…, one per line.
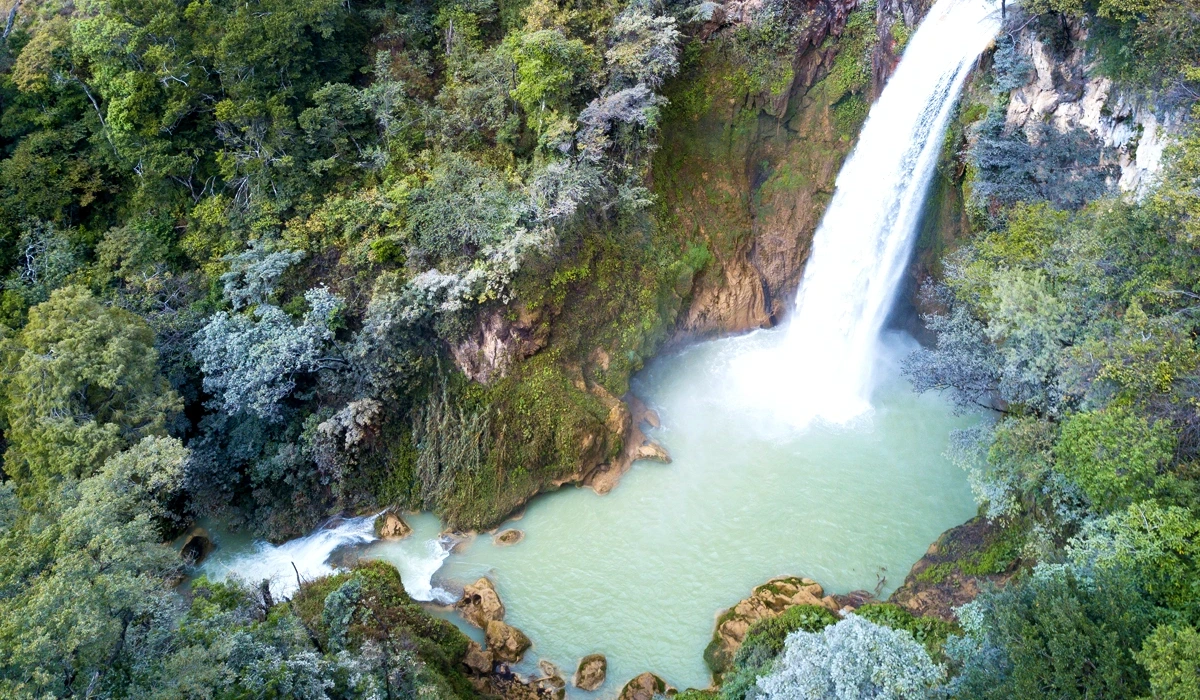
x=822, y=370
x=309, y=554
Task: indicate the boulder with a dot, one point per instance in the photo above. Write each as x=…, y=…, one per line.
x=480, y=604
x=507, y=643
x=390, y=526
x=504, y=538
x=645, y=687
x=766, y=601
x=592, y=671
x=477, y=660
x=196, y=546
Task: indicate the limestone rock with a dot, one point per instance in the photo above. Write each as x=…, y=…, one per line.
x=592, y=671
x=498, y=341
x=653, y=451
x=390, y=526
x=478, y=660
x=480, y=604
x=197, y=545
x=507, y=643
x=645, y=687
x=509, y=537
x=766, y=601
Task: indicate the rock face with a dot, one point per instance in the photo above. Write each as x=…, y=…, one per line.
x=390, y=526
x=766, y=601
x=480, y=604
x=478, y=660
x=749, y=175
x=197, y=545
x=507, y=643
x=592, y=671
x=498, y=341
x=1065, y=92
x=506, y=538
x=645, y=687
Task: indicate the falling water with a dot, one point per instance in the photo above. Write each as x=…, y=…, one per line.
x=822, y=369
x=304, y=558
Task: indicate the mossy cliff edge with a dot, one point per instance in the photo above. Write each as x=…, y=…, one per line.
x=760, y=119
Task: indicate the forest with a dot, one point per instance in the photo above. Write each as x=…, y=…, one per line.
x=247, y=248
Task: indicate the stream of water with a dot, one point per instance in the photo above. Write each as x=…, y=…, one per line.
x=797, y=450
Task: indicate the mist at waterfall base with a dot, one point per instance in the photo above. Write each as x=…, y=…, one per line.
x=798, y=450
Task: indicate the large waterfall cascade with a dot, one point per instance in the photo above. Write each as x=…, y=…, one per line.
x=762, y=430
x=822, y=369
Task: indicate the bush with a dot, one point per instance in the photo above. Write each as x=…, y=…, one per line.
x=850, y=660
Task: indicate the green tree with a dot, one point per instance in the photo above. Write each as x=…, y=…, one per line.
x=82, y=384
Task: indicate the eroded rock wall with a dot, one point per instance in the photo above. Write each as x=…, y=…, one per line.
x=748, y=174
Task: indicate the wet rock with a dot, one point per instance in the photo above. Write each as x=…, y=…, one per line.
x=592, y=671
x=390, y=526
x=477, y=659
x=197, y=545
x=480, y=604
x=505, y=538
x=653, y=451
x=507, y=643
x=645, y=687
x=766, y=601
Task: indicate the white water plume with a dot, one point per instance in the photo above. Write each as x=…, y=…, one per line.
x=822, y=368
x=305, y=557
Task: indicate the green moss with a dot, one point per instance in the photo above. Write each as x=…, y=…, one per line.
x=997, y=555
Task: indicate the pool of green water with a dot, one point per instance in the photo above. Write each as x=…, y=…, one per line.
x=640, y=573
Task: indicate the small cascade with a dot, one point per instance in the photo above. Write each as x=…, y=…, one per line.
x=821, y=369
x=305, y=557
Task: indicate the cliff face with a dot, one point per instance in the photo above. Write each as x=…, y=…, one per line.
x=1066, y=91
x=747, y=172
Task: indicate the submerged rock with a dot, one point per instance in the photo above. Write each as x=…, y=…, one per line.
x=645, y=687
x=390, y=526
x=592, y=671
x=508, y=537
x=766, y=601
x=480, y=604
x=507, y=643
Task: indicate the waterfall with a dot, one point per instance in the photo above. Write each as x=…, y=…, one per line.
x=822, y=368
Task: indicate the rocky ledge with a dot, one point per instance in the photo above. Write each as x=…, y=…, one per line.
x=765, y=602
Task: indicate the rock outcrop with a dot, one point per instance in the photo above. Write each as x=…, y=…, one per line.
x=937, y=584
x=645, y=687
x=197, y=545
x=507, y=643
x=477, y=659
x=749, y=175
x=592, y=671
x=1066, y=91
x=636, y=445
x=480, y=604
x=501, y=337
x=390, y=526
x=766, y=601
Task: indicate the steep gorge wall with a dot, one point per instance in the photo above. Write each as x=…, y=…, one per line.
x=748, y=173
